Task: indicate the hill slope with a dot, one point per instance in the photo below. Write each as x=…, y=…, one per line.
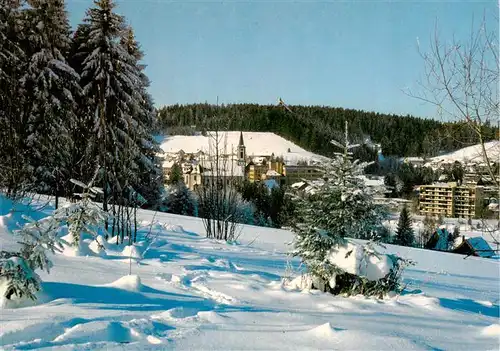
x=192, y=293
x=256, y=143
x=472, y=153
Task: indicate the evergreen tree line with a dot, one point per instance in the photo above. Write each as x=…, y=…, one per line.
x=74, y=105
x=312, y=127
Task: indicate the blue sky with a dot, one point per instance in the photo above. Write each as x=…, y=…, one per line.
x=351, y=54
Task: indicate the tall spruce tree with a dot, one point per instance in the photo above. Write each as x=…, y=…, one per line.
x=110, y=81
x=341, y=207
x=150, y=175
x=48, y=86
x=14, y=173
x=120, y=111
x=404, y=233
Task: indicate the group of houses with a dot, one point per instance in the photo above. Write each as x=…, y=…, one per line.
x=230, y=166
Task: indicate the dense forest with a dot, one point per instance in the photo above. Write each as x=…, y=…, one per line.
x=312, y=127
x=74, y=105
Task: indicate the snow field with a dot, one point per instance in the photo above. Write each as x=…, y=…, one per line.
x=189, y=292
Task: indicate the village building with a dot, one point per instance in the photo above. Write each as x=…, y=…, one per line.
x=300, y=172
x=476, y=246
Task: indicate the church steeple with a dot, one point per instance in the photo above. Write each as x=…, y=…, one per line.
x=241, y=143
x=242, y=155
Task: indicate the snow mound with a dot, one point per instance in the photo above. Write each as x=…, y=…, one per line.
x=175, y=228
x=176, y=313
x=212, y=317
x=325, y=331
x=491, y=330
x=356, y=259
x=132, y=251
x=420, y=301
x=484, y=303
x=128, y=282
x=97, y=331
x=302, y=282
x=72, y=250
x=169, y=277
x=472, y=153
x=98, y=246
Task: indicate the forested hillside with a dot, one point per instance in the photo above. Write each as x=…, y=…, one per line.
x=312, y=127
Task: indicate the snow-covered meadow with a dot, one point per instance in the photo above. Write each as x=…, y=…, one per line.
x=191, y=293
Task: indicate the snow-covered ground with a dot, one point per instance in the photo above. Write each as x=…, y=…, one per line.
x=193, y=293
x=256, y=143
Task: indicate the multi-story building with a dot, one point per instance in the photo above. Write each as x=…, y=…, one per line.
x=298, y=173
x=450, y=200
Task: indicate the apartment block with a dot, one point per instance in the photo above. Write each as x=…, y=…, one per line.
x=298, y=173
x=450, y=200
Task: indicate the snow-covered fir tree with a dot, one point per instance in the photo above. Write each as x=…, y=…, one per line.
x=180, y=200
x=150, y=174
x=14, y=171
x=107, y=79
x=117, y=107
x=18, y=278
x=83, y=216
x=340, y=207
x=405, y=235
x=48, y=86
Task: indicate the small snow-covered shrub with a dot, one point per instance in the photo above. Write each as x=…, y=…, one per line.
x=83, y=216
x=17, y=279
x=17, y=269
x=342, y=208
x=365, y=271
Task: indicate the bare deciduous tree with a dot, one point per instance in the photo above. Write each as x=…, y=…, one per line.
x=461, y=79
x=219, y=202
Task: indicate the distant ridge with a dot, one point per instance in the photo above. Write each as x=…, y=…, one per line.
x=312, y=127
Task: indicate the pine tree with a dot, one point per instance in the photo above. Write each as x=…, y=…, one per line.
x=48, y=86
x=404, y=233
x=150, y=174
x=119, y=109
x=108, y=78
x=180, y=200
x=17, y=269
x=14, y=170
x=175, y=174
x=341, y=207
